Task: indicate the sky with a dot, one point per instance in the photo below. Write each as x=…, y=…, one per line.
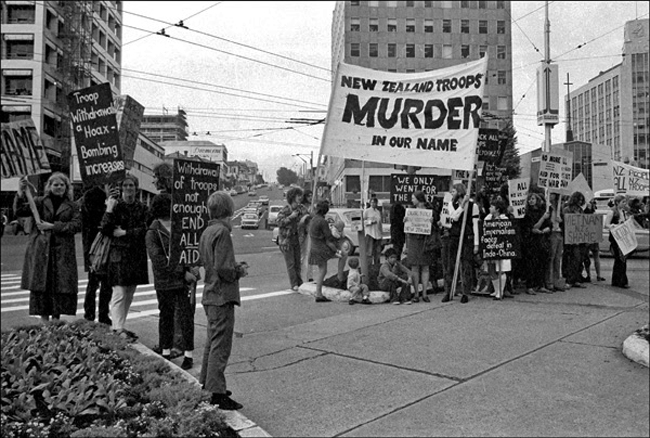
x=255, y=75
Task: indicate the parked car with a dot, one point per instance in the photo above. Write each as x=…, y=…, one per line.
x=643, y=243
x=252, y=193
x=233, y=192
x=250, y=220
x=272, y=219
x=254, y=204
x=264, y=200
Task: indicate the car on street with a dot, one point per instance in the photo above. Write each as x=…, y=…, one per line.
x=254, y=204
x=250, y=220
x=264, y=200
x=272, y=219
x=642, y=238
x=233, y=192
x=252, y=193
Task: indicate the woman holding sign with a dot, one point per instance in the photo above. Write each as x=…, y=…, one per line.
x=618, y=215
x=419, y=249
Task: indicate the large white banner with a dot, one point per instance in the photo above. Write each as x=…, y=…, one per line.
x=630, y=180
x=427, y=119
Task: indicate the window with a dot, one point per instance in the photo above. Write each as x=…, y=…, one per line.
x=410, y=70
x=446, y=26
x=464, y=26
x=500, y=4
x=19, y=14
x=482, y=51
x=447, y=4
x=501, y=52
x=447, y=51
x=486, y=103
x=392, y=3
x=373, y=50
x=464, y=4
x=428, y=4
x=482, y=5
x=392, y=25
x=20, y=49
x=410, y=50
x=428, y=26
x=355, y=25
x=18, y=85
x=352, y=183
x=501, y=27
x=502, y=103
x=464, y=51
x=373, y=25
x=354, y=49
x=392, y=50
x=501, y=77
x=410, y=25
x=428, y=50
x=410, y=3
x=482, y=26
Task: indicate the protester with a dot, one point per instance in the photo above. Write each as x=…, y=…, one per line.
x=3, y=223
x=574, y=252
x=395, y=278
x=618, y=215
x=556, y=249
x=323, y=247
x=536, y=232
x=288, y=220
x=419, y=253
x=397, y=236
x=498, y=268
x=461, y=199
x=373, y=232
x=124, y=221
x=50, y=264
x=303, y=236
x=360, y=292
x=92, y=206
x=220, y=295
x=592, y=249
x=172, y=280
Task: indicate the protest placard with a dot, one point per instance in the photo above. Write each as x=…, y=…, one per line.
x=491, y=145
x=403, y=186
x=192, y=183
x=500, y=239
x=129, y=117
x=445, y=213
x=493, y=178
x=22, y=151
x=95, y=134
x=556, y=171
x=418, y=221
x=630, y=180
x=583, y=228
x=580, y=184
x=427, y=119
x=517, y=193
x=625, y=236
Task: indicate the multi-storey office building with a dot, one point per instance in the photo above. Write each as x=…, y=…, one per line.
x=165, y=127
x=613, y=108
x=416, y=36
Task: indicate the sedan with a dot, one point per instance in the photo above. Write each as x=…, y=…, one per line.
x=250, y=220
x=272, y=219
x=264, y=200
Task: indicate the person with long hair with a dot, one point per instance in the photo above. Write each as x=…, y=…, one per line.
x=125, y=222
x=536, y=232
x=556, y=249
x=419, y=256
x=574, y=252
x=323, y=246
x=498, y=268
x=288, y=221
x=618, y=215
x=50, y=265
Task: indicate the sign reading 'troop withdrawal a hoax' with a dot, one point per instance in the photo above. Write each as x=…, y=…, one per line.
x=192, y=183
x=95, y=133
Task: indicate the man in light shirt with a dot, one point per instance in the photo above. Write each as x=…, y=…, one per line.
x=372, y=222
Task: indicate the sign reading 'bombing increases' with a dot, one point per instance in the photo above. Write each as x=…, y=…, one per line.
x=95, y=134
x=192, y=184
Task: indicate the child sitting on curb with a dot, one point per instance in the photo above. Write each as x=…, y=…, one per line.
x=360, y=291
x=392, y=274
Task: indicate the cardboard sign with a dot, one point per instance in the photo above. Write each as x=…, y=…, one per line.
x=630, y=180
x=556, y=171
x=427, y=119
x=445, y=213
x=21, y=149
x=493, y=177
x=500, y=239
x=517, y=193
x=403, y=186
x=491, y=145
x=192, y=183
x=95, y=134
x=625, y=236
x=129, y=117
x=583, y=228
x=418, y=221
x=580, y=184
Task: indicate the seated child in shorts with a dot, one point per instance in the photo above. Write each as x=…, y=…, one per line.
x=360, y=291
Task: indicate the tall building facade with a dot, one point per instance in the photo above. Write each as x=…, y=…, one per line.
x=165, y=127
x=416, y=36
x=613, y=108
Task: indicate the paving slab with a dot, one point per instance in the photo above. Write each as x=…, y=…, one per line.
x=612, y=332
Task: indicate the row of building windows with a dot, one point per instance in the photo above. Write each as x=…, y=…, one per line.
x=430, y=4
x=445, y=51
x=431, y=26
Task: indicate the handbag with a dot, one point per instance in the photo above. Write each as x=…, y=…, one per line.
x=98, y=254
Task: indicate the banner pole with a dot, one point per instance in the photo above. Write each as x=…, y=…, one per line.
x=363, y=256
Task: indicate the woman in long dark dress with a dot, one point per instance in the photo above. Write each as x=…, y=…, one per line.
x=536, y=231
x=618, y=215
x=50, y=267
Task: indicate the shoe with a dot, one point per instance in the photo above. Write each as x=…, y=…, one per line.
x=601, y=279
x=188, y=363
x=544, y=290
x=465, y=299
x=295, y=288
x=578, y=285
x=622, y=286
x=415, y=300
x=366, y=301
x=426, y=299
x=493, y=294
x=445, y=299
x=407, y=302
x=351, y=302
x=323, y=299
x=529, y=291
x=176, y=352
x=166, y=356
x=559, y=289
x=107, y=321
x=396, y=303
x=224, y=402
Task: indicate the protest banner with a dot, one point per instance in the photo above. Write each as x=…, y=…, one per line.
x=491, y=145
x=625, y=236
x=129, y=117
x=403, y=186
x=95, y=134
x=630, y=180
x=445, y=213
x=418, y=221
x=22, y=151
x=192, y=183
x=500, y=239
x=556, y=171
x=518, y=192
x=583, y=228
x=426, y=119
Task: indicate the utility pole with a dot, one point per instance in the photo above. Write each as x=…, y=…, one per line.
x=569, y=131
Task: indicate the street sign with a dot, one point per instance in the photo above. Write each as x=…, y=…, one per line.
x=548, y=95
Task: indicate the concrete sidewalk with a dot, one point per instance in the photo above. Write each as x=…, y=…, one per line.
x=543, y=365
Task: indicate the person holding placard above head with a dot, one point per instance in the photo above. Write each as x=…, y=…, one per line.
x=469, y=244
x=618, y=215
x=125, y=221
x=50, y=266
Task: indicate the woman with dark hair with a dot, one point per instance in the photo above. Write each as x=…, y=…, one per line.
x=50, y=266
x=420, y=257
x=323, y=246
x=125, y=221
x=288, y=220
x=498, y=268
x=618, y=214
x=536, y=231
x=574, y=253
